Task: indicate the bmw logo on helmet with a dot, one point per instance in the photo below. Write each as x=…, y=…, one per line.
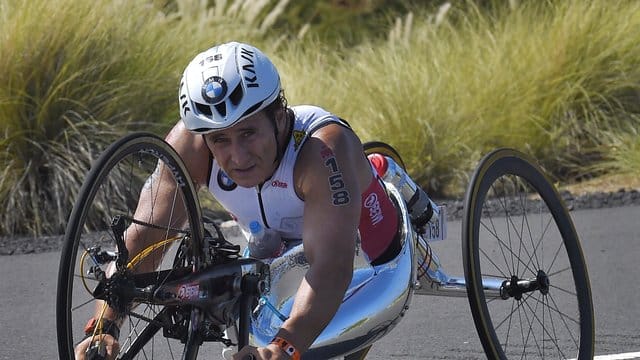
x=214, y=89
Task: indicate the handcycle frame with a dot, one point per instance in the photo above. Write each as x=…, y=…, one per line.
x=223, y=293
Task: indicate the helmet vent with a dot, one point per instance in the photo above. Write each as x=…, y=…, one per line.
x=205, y=109
x=222, y=109
x=236, y=95
x=252, y=109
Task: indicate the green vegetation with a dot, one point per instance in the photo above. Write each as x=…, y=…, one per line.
x=549, y=79
x=77, y=74
x=557, y=79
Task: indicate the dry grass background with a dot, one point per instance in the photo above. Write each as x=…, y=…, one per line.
x=557, y=79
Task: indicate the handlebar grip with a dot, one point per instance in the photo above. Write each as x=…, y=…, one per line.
x=96, y=352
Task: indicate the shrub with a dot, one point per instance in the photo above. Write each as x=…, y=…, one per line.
x=78, y=74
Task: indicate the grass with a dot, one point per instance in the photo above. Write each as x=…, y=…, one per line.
x=78, y=74
x=548, y=78
x=557, y=79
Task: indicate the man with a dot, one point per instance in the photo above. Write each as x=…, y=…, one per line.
x=300, y=171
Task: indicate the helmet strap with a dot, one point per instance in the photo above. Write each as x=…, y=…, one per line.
x=280, y=149
x=275, y=134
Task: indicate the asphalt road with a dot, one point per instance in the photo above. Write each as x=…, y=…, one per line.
x=434, y=328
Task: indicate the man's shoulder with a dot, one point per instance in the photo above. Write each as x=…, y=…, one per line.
x=310, y=112
x=332, y=138
x=309, y=108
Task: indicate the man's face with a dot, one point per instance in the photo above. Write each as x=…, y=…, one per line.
x=245, y=151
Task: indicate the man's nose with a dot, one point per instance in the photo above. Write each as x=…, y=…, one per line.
x=239, y=153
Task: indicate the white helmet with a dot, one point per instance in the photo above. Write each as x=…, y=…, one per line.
x=224, y=85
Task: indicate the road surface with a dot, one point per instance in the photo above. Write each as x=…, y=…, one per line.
x=434, y=327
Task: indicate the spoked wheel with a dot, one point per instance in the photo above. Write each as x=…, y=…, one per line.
x=526, y=276
x=168, y=233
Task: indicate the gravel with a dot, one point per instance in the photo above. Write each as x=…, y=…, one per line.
x=595, y=200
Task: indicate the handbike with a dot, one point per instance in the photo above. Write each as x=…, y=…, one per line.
x=525, y=275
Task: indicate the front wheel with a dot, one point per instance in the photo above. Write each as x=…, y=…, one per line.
x=526, y=276
x=167, y=225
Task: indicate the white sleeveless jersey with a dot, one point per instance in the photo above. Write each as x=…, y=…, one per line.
x=275, y=204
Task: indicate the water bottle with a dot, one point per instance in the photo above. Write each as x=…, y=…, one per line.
x=264, y=243
x=421, y=208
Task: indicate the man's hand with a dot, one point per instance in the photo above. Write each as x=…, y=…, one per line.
x=269, y=352
x=106, y=341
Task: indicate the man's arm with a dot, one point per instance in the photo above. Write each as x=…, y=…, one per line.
x=331, y=175
x=156, y=203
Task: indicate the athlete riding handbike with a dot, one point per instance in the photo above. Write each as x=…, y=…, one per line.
x=144, y=274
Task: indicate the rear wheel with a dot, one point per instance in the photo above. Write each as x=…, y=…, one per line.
x=170, y=226
x=380, y=147
x=518, y=234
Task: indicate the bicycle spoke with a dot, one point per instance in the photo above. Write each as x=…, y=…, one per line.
x=524, y=221
x=510, y=251
x=562, y=315
x=494, y=264
x=560, y=246
x=553, y=327
x=141, y=338
x=509, y=315
x=509, y=222
x=530, y=327
x=524, y=342
x=544, y=328
x=506, y=342
x=91, y=300
x=535, y=249
x=508, y=233
x=495, y=233
x=531, y=256
x=563, y=290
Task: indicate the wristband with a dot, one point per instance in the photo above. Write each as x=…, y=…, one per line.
x=108, y=327
x=287, y=347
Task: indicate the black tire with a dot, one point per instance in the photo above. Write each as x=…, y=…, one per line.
x=111, y=188
x=517, y=228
